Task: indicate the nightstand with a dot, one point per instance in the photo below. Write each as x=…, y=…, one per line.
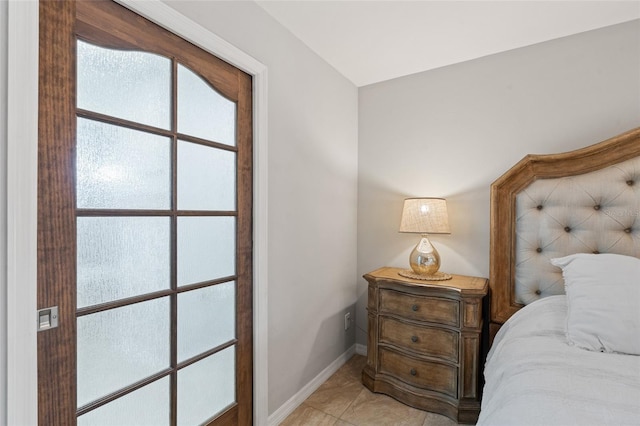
x=424, y=343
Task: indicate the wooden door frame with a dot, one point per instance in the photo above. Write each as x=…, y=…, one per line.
x=22, y=140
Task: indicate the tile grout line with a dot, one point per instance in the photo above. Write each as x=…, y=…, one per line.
x=350, y=404
x=339, y=418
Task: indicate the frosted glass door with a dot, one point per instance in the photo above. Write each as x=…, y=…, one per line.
x=156, y=241
x=144, y=236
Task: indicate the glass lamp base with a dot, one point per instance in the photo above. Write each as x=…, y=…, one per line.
x=425, y=261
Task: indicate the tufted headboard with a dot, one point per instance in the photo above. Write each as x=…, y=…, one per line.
x=546, y=206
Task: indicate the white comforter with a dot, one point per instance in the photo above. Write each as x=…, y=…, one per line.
x=534, y=378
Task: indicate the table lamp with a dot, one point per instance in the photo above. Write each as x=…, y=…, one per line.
x=425, y=216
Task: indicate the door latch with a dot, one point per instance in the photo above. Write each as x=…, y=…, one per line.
x=47, y=318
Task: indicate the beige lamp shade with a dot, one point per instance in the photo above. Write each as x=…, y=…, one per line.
x=425, y=216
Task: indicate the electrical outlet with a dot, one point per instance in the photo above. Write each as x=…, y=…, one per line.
x=347, y=321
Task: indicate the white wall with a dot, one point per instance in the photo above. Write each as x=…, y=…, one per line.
x=452, y=131
x=312, y=193
x=3, y=211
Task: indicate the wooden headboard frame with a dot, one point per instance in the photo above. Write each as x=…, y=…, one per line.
x=503, y=208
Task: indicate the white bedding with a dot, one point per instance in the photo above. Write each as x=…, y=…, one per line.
x=533, y=377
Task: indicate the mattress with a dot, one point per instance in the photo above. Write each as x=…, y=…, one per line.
x=533, y=377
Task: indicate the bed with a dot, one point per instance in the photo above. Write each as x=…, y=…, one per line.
x=565, y=289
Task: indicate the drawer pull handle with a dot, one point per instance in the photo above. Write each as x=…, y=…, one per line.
x=413, y=372
x=414, y=339
x=414, y=308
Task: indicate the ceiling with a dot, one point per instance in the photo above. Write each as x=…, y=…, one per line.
x=373, y=41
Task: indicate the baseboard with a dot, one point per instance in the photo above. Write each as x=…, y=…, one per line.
x=294, y=402
x=361, y=349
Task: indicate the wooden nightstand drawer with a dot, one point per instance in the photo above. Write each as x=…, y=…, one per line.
x=422, y=374
x=420, y=308
x=430, y=341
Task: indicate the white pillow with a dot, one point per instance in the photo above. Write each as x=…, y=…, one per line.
x=603, y=300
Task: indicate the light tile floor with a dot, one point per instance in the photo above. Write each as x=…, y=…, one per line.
x=344, y=401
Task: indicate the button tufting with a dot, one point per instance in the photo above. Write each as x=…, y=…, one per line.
x=585, y=201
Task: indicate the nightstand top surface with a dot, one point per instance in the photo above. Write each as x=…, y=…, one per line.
x=461, y=283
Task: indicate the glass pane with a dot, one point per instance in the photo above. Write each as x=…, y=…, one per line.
x=121, y=257
x=135, y=86
x=120, y=168
x=207, y=387
x=206, y=319
x=148, y=406
x=206, y=178
x=202, y=111
x=206, y=248
x=119, y=347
